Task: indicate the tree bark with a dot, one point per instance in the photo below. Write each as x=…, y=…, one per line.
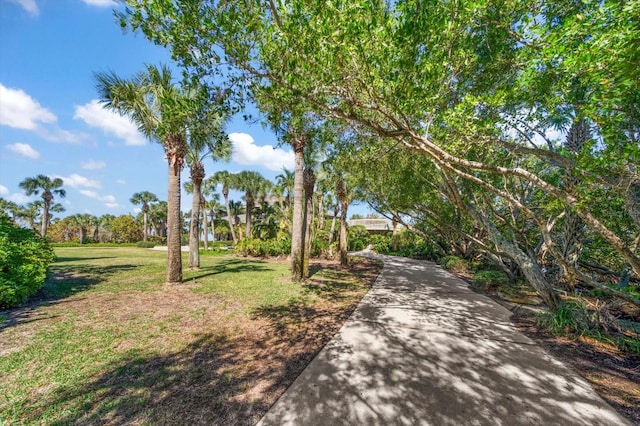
x=225, y=194
x=175, y=150
x=297, y=248
x=46, y=197
x=197, y=175
x=341, y=191
x=309, y=181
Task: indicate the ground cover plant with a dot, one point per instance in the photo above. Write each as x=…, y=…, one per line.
x=106, y=341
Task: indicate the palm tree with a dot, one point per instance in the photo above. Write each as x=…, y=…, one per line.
x=207, y=190
x=235, y=210
x=162, y=112
x=226, y=179
x=49, y=187
x=254, y=186
x=158, y=215
x=30, y=213
x=206, y=138
x=84, y=222
x=144, y=198
x=284, y=185
x=10, y=208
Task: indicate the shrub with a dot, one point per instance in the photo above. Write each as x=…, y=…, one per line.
x=358, y=238
x=24, y=261
x=491, y=278
x=455, y=264
x=262, y=248
x=381, y=243
x=145, y=244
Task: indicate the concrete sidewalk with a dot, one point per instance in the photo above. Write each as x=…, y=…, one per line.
x=423, y=349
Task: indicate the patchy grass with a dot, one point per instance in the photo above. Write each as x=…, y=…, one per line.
x=106, y=341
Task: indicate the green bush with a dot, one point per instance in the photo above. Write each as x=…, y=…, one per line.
x=381, y=243
x=263, y=248
x=357, y=238
x=145, y=244
x=24, y=262
x=491, y=278
x=455, y=264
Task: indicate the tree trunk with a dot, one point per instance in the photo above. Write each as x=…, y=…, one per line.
x=529, y=267
x=297, y=248
x=205, y=224
x=175, y=150
x=47, y=197
x=250, y=204
x=332, y=230
x=309, y=181
x=225, y=194
x=341, y=191
x=197, y=175
x=145, y=222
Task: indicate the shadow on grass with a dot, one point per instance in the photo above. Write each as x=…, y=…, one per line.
x=59, y=285
x=231, y=266
x=209, y=382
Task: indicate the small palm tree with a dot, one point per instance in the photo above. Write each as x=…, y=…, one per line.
x=48, y=187
x=144, y=198
x=226, y=179
x=254, y=186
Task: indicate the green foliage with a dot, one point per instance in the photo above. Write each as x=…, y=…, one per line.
x=145, y=244
x=455, y=264
x=24, y=261
x=404, y=243
x=263, y=248
x=570, y=317
x=357, y=238
x=491, y=278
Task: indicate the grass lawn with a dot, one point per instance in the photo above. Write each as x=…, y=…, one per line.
x=106, y=341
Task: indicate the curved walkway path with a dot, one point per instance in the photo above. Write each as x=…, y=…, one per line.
x=423, y=349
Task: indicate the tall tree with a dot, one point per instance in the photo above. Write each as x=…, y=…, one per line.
x=48, y=187
x=163, y=112
x=205, y=138
x=144, y=199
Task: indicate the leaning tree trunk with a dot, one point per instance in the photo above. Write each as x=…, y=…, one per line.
x=309, y=181
x=47, y=197
x=197, y=175
x=297, y=237
x=175, y=148
x=225, y=194
x=529, y=267
x=341, y=191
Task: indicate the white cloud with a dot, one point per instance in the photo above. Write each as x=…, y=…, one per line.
x=29, y=5
x=4, y=190
x=111, y=123
x=21, y=111
x=93, y=165
x=247, y=153
x=108, y=200
x=121, y=181
x=19, y=198
x=76, y=181
x=100, y=3
x=25, y=150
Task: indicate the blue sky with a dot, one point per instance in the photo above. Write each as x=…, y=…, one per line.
x=52, y=124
